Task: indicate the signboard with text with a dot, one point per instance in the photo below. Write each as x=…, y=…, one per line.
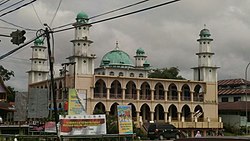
x=77, y=102
x=82, y=125
x=125, y=123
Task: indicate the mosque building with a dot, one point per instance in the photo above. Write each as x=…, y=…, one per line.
x=190, y=105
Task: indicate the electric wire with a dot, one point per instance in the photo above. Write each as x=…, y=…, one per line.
x=39, y=19
x=111, y=18
x=20, y=47
x=140, y=2
x=4, y=2
x=17, y=25
x=55, y=12
x=11, y=5
x=17, y=8
x=105, y=13
x=1, y=1
x=122, y=15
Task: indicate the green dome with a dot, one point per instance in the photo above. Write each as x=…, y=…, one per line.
x=205, y=32
x=82, y=17
x=38, y=42
x=116, y=58
x=140, y=51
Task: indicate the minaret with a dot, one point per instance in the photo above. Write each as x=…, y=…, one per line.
x=84, y=61
x=140, y=58
x=39, y=69
x=205, y=71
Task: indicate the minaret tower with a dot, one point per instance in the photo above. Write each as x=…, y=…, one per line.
x=140, y=58
x=39, y=68
x=205, y=71
x=84, y=61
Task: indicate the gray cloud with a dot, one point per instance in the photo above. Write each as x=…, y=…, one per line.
x=167, y=34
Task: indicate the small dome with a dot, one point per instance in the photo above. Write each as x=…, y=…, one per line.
x=116, y=58
x=140, y=51
x=205, y=32
x=38, y=42
x=82, y=17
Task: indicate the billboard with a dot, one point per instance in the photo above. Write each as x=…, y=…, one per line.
x=125, y=123
x=77, y=102
x=82, y=125
x=50, y=127
x=38, y=103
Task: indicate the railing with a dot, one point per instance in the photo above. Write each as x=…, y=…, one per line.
x=186, y=98
x=116, y=96
x=174, y=98
x=100, y=95
x=145, y=97
x=200, y=99
x=130, y=96
x=159, y=97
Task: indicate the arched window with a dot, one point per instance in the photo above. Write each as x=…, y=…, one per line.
x=140, y=75
x=112, y=73
x=120, y=73
x=132, y=75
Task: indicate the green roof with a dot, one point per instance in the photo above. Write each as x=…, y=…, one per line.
x=116, y=58
x=38, y=42
x=140, y=51
x=82, y=17
x=205, y=35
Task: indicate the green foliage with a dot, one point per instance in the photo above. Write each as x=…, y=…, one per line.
x=6, y=74
x=166, y=73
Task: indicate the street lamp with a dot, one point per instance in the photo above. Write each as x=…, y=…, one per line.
x=246, y=96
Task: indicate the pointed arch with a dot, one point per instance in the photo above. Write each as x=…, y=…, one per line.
x=198, y=113
x=99, y=108
x=159, y=114
x=198, y=93
x=185, y=95
x=145, y=91
x=113, y=109
x=100, y=90
x=145, y=112
x=173, y=113
x=172, y=92
x=159, y=92
x=130, y=92
x=186, y=113
x=115, y=90
x=133, y=110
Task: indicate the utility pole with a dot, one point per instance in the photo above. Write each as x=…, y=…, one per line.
x=51, y=61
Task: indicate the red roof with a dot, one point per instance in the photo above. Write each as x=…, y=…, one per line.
x=234, y=106
x=233, y=91
x=233, y=82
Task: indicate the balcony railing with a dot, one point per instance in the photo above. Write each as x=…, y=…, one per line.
x=100, y=95
x=145, y=97
x=159, y=97
x=174, y=98
x=130, y=96
x=116, y=96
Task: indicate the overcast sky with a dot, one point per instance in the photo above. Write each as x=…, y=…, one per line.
x=168, y=34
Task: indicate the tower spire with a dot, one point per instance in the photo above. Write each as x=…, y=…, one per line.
x=116, y=46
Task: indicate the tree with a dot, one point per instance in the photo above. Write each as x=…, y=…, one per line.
x=165, y=73
x=6, y=75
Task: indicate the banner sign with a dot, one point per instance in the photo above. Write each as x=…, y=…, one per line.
x=125, y=123
x=77, y=102
x=82, y=125
x=50, y=127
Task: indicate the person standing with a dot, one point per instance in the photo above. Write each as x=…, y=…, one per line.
x=198, y=134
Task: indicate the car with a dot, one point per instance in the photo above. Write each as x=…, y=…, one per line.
x=163, y=131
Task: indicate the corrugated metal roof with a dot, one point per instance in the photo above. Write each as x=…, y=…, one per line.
x=237, y=106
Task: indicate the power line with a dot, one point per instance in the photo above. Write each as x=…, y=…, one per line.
x=12, y=5
x=37, y=14
x=122, y=15
x=111, y=18
x=119, y=9
x=20, y=47
x=17, y=25
x=55, y=12
x=105, y=13
x=17, y=8
x=3, y=2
